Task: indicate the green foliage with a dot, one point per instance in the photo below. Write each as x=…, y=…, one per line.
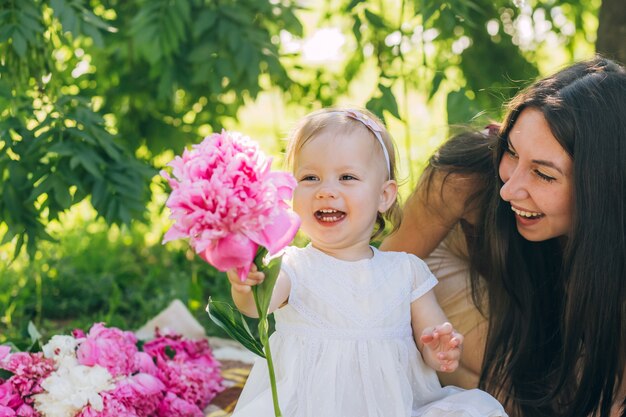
x=99, y=274
x=176, y=66
x=90, y=90
x=473, y=54
x=58, y=162
x=423, y=44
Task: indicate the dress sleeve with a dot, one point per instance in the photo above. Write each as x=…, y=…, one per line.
x=422, y=280
x=288, y=263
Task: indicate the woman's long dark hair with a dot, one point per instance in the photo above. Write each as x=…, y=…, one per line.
x=557, y=335
x=469, y=154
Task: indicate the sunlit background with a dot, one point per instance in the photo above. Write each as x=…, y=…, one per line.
x=422, y=66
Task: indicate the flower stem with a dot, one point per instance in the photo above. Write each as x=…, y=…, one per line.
x=263, y=330
x=264, y=336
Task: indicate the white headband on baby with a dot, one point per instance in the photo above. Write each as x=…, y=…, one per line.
x=373, y=127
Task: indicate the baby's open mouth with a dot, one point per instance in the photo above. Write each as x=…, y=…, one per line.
x=527, y=214
x=329, y=215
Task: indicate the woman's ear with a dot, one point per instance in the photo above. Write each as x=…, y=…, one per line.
x=388, y=195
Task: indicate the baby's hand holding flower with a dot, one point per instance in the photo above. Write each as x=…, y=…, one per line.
x=254, y=277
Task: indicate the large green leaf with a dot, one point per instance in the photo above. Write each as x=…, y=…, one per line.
x=233, y=323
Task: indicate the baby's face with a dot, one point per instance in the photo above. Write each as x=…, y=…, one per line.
x=341, y=183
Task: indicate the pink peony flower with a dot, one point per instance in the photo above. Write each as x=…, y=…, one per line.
x=173, y=377
x=26, y=410
x=111, y=348
x=28, y=369
x=9, y=397
x=145, y=364
x=111, y=408
x=227, y=202
x=172, y=406
x=186, y=367
x=78, y=334
x=7, y=411
x=136, y=396
x=170, y=346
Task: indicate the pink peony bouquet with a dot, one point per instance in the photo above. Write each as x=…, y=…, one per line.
x=228, y=203
x=104, y=374
x=233, y=210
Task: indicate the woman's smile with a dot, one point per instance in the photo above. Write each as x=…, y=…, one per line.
x=527, y=218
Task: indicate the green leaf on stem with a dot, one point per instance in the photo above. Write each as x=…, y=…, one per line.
x=263, y=291
x=233, y=323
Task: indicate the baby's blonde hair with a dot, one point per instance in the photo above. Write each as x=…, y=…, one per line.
x=339, y=120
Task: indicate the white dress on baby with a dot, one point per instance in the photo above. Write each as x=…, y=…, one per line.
x=343, y=345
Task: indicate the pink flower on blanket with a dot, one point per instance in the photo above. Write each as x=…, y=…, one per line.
x=173, y=406
x=186, y=367
x=104, y=374
x=111, y=348
x=9, y=398
x=28, y=371
x=227, y=202
x=135, y=396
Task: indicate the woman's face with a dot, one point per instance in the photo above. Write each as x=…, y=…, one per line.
x=538, y=179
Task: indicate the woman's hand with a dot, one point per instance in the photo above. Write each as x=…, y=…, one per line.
x=442, y=347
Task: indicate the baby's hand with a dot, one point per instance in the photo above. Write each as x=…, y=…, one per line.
x=443, y=346
x=255, y=277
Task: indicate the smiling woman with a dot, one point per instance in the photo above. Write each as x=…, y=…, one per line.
x=538, y=242
x=562, y=281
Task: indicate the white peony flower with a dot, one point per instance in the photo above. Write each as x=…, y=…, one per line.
x=71, y=388
x=59, y=347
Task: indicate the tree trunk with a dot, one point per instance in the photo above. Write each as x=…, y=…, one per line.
x=611, y=40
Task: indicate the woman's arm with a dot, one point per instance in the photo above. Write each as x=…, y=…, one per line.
x=431, y=211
